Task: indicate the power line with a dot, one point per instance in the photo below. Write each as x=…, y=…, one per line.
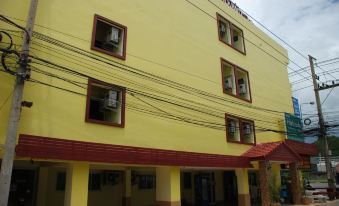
x=186, y=106
x=137, y=71
x=173, y=117
x=156, y=63
x=291, y=74
x=329, y=93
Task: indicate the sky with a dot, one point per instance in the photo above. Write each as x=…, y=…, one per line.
x=312, y=27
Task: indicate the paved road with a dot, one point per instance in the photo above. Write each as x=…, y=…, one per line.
x=321, y=185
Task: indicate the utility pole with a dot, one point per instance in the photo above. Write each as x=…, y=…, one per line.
x=330, y=176
x=9, y=147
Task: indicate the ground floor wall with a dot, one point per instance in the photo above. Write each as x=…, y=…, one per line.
x=61, y=183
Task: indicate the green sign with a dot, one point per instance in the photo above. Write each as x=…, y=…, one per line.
x=294, y=128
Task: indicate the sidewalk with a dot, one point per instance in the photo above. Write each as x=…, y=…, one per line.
x=328, y=203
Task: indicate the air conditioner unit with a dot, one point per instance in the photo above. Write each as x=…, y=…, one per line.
x=231, y=126
x=242, y=86
x=113, y=36
x=247, y=129
x=228, y=83
x=111, y=100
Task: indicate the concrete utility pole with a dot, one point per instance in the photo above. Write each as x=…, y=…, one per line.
x=9, y=147
x=330, y=176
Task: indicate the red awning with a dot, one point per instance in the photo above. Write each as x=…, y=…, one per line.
x=286, y=151
x=62, y=149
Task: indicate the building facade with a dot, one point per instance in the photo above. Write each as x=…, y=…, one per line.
x=148, y=103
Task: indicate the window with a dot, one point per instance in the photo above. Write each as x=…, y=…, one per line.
x=94, y=181
x=105, y=104
x=147, y=182
x=109, y=37
x=239, y=130
x=231, y=34
x=235, y=81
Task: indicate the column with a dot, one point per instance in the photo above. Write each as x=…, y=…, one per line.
x=295, y=181
x=168, y=186
x=243, y=187
x=42, y=186
x=126, y=199
x=76, y=193
x=264, y=178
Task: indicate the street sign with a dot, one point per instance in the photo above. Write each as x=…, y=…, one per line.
x=296, y=107
x=294, y=128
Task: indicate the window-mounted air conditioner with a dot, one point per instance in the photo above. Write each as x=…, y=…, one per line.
x=242, y=86
x=112, y=36
x=231, y=126
x=247, y=129
x=111, y=100
x=228, y=83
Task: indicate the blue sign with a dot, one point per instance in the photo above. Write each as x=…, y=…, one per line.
x=296, y=107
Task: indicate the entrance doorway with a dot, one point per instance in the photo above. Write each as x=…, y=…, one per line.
x=204, y=189
x=22, y=190
x=253, y=181
x=230, y=189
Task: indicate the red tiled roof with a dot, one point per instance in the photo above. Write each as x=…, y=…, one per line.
x=276, y=151
x=303, y=148
x=288, y=151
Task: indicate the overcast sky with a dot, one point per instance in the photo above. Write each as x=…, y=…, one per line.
x=312, y=27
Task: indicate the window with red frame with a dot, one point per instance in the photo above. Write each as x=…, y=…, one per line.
x=109, y=37
x=105, y=104
x=235, y=81
x=239, y=130
x=230, y=34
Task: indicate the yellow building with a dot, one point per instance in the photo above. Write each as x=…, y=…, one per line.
x=147, y=103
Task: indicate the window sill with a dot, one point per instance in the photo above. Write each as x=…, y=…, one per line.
x=88, y=120
x=122, y=57
x=243, y=143
x=230, y=45
x=238, y=97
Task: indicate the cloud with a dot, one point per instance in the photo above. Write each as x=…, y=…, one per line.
x=312, y=27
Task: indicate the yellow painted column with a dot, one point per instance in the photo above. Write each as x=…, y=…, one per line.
x=76, y=193
x=42, y=186
x=276, y=171
x=126, y=201
x=243, y=187
x=168, y=186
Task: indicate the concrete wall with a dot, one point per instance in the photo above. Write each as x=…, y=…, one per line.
x=172, y=33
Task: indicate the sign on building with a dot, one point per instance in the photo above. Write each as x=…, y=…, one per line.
x=294, y=128
x=296, y=107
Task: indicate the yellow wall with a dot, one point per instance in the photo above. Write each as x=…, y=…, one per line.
x=172, y=33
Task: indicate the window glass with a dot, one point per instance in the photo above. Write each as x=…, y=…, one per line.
x=233, y=131
x=247, y=132
x=229, y=78
x=238, y=39
x=243, y=86
x=225, y=31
